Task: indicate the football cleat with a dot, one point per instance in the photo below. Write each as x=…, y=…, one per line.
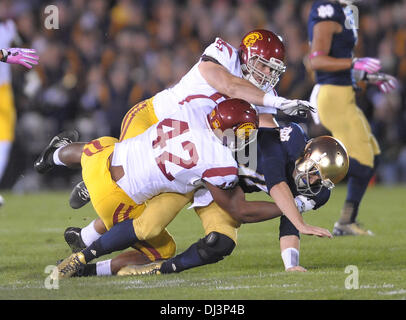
x=84, y=270
x=350, y=229
x=74, y=239
x=79, y=196
x=68, y=267
x=141, y=269
x=45, y=162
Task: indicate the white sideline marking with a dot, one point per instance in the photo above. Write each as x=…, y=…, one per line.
x=390, y=293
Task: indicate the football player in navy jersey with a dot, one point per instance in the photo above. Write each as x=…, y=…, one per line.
x=332, y=30
x=285, y=156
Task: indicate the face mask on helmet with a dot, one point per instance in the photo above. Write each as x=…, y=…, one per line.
x=262, y=73
x=262, y=53
x=323, y=164
x=309, y=180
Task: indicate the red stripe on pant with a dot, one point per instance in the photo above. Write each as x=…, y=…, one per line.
x=129, y=117
x=151, y=249
x=117, y=212
x=96, y=144
x=145, y=244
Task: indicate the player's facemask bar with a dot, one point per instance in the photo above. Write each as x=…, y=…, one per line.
x=306, y=169
x=264, y=81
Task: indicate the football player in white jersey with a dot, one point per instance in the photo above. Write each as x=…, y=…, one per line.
x=179, y=155
x=249, y=73
x=24, y=57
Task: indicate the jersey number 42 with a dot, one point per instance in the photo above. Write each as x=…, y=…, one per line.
x=176, y=128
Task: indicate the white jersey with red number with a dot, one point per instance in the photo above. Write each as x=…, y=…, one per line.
x=174, y=155
x=8, y=32
x=193, y=88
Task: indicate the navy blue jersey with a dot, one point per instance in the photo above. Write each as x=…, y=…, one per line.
x=277, y=152
x=342, y=44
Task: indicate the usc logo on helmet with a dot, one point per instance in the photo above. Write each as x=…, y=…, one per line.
x=245, y=130
x=251, y=38
x=215, y=124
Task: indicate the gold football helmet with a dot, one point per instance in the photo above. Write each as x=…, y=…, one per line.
x=324, y=157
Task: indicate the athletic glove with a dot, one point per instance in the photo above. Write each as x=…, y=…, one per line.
x=296, y=107
x=385, y=82
x=21, y=56
x=290, y=107
x=368, y=65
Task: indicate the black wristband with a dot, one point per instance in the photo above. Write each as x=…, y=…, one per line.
x=353, y=62
x=5, y=54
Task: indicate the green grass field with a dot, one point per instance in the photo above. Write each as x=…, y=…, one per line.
x=31, y=238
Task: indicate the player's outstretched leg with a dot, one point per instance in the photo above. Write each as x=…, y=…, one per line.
x=211, y=249
x=358, y=179
x=79, y=196
x=45, y=161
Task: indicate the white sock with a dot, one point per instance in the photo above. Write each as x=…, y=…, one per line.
x=89, y=234
x=58, y=161
x=5, y=147
x=103, y=268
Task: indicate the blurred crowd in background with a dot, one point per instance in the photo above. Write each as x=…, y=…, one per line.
x=108, y=55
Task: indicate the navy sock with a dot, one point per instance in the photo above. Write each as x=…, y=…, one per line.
x=119, y=237
x=359, y=177
x=186, y=260
x=88, y=270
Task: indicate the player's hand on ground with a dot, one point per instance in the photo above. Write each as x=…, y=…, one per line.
x=296, y=269
x=21, y=56
x=296, y=107
x=315, y=231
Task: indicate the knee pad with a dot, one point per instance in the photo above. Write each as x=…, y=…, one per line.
x=214, y=247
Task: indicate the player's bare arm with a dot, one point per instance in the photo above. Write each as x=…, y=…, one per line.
x=219, y=78
x=233, y=201
x=285, y=201
x=223, y=81
x=323, y=33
